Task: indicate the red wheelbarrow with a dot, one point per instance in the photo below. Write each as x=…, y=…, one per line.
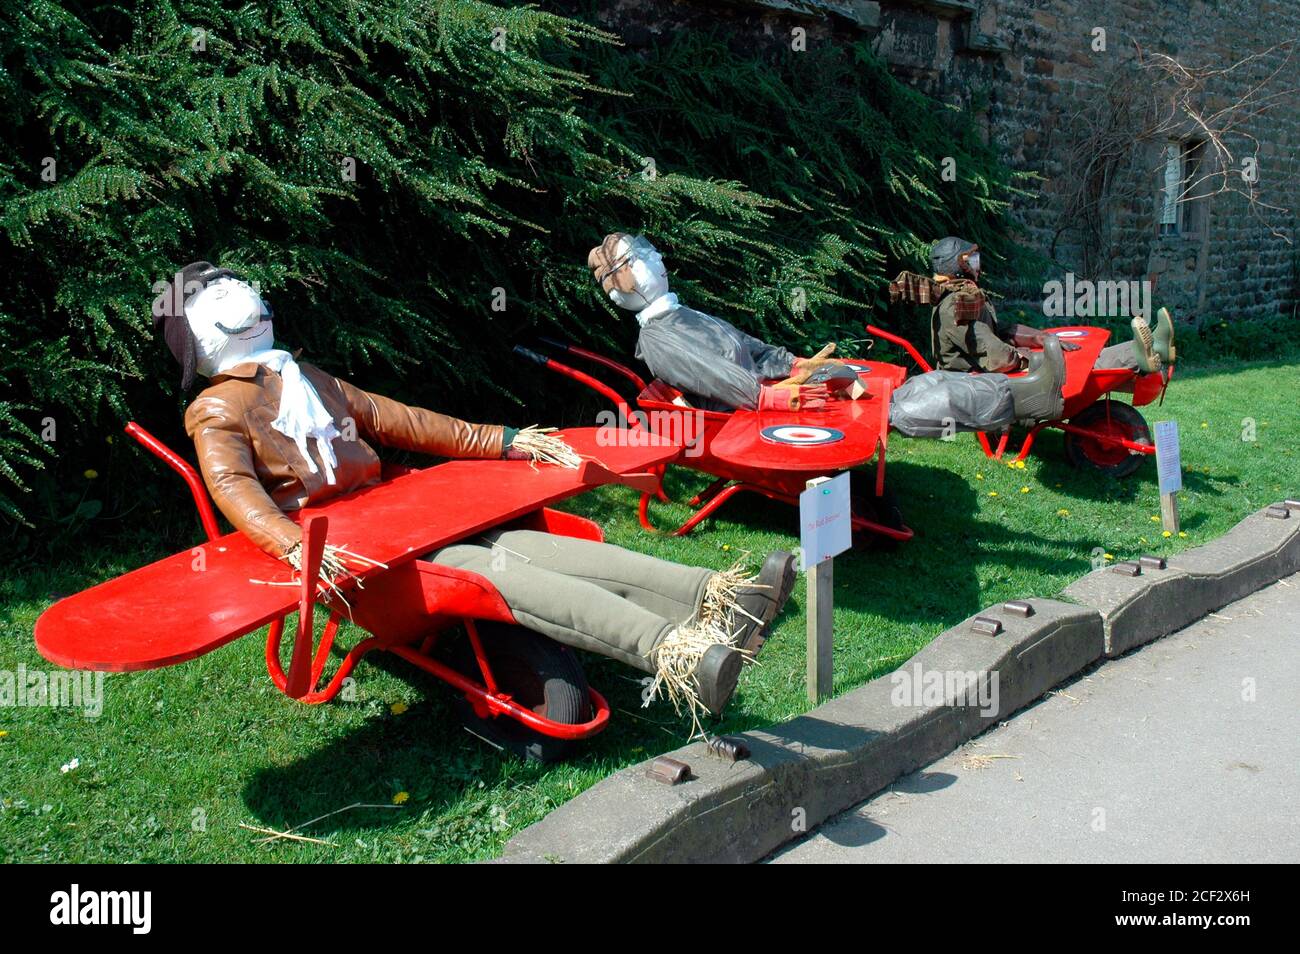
x=772, y=453
x=198, y=600
x=1100, y=432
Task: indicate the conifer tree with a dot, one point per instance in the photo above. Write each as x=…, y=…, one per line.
x=414, y=184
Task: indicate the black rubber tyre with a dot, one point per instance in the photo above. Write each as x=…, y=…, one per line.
x=883, y=510
x=1123, y=420
x=539, y=673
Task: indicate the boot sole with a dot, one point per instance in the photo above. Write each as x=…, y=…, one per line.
x=717, y=677
x=1142, y=333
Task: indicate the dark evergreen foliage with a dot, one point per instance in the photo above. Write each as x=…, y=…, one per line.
x=492, y=147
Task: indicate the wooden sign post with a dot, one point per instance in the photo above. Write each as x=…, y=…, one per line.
x=826, y=529
x=1169, y=469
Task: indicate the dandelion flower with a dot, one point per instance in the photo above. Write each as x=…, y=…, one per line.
x=1024, y=490
x=1183, y=534
x=1062, y=512
x=1167, y=533
x=1020, y=465
x=90, y=474
x=401, y=798
x=397, y=708
x=993, y=493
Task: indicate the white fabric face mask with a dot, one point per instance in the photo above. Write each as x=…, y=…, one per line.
x=229, y=322
x=649, y=275
x=232, y=325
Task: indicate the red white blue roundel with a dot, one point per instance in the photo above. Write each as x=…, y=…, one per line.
x=801, y=435
x=1071, y=334
x=858, y=368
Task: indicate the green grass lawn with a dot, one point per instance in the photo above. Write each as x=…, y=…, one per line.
x=181, y=757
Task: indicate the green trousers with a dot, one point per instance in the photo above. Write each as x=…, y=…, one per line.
x=589, y=595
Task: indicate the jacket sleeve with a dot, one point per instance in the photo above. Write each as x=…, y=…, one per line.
x=771, y=360
x=226, y=462
x=995, y=354
x=978, y=341
x=394, y=424
x=677, y=362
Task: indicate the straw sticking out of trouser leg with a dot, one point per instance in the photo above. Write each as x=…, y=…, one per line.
x=543, y=448
x=676, y=658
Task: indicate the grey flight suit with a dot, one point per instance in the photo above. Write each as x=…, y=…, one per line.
x=715, y=364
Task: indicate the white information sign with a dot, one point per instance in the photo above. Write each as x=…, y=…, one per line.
x=1169, y=459
x=825, y=520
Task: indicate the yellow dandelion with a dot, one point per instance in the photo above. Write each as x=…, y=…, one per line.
x=401, y=798
x=1205, y=424
x=993, y=493
x=3, y=733
x=1155, y=518
x=397, y=708
x=726, y=546
x=1062, y=512
x=90, y=474
x=979, y=476
x=1167, y=533
x=1020, y=465
x=1024, y=490
x=1109, y=556
x=1183, y=534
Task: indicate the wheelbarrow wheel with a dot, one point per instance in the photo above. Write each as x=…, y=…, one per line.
x=539, y=674
x=1108, y=419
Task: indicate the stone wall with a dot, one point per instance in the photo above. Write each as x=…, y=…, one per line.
x=1027, y=68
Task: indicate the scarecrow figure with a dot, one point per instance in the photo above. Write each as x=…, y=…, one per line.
x=269, y=432
x=967, y=335
x=719, y=367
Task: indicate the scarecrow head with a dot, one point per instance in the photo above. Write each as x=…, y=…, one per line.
x=629, y=269
x=212, y=319
x=955, y=258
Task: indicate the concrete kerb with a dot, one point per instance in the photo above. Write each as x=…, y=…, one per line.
x=1138, y=609
x=803, y=771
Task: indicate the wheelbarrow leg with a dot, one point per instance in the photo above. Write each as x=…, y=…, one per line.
x=709, y=492
x=1029, y=441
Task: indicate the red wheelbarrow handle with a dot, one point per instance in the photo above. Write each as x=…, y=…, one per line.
x=902, y=343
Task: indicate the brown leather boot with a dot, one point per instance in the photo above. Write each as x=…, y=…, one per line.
x=759, y=603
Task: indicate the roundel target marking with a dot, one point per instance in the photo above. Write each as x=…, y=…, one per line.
x=801, y=435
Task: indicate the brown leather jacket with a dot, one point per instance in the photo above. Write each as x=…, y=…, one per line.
x=255, y=473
